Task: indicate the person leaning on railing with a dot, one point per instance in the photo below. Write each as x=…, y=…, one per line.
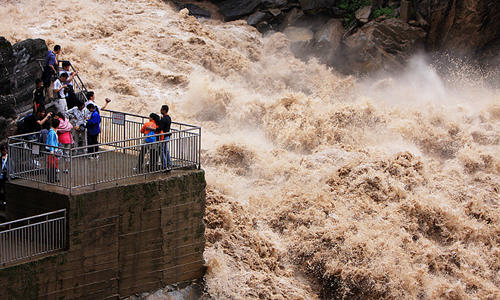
x=71, y=98
x=36, y=123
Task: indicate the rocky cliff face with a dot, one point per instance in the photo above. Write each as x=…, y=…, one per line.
x=367, y=42
x=18, y=71
x=465, y=26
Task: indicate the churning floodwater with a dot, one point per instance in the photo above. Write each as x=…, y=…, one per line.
x=320, y=185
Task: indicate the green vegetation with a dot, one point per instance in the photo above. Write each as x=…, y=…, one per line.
x=351, y=6
x=384, y=11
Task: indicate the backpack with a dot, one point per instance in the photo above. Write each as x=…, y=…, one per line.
x=150, y=138
x=21, y=126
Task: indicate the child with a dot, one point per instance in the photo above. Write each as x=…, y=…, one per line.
x=148, y=129
x=53, y=144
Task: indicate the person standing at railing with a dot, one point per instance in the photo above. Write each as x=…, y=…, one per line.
x=71, y=99
x=77, y=118
x=93, y=129
x=64, y=137
x=50, y=67
x=148, y=129
x=164, y=127
x=61, y=90
x=53, y=147
x=3, y=174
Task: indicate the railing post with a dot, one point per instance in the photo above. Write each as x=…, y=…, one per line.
x=199, y=148
x=9, y=159
x=71, y=169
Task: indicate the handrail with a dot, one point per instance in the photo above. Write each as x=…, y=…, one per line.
x=79, y=82
x=144, y=117
x=123, y=149
x=33, y=217
x=33, y=239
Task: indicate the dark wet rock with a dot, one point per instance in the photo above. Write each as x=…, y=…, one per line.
x=328, y=40
x=257, y=17
x=195, y=10
x=26, y=68
x=7, y=128
x=316, y=4
x=381, y=45
x=291, y=18
x=18, y=70
x=6, y=65
x=274, y=3
x=235, y=9
x=7, y=106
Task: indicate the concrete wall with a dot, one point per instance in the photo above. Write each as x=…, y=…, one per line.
x=122, y=240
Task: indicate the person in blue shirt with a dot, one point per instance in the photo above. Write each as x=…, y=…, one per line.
x=93, y=128
x=50, y=67
x=52, y=146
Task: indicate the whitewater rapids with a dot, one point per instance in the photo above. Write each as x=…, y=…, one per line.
x=320, y=185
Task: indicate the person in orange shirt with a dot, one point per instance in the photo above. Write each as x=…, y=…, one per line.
x=149, y=145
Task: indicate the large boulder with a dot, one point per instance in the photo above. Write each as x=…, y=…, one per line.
x=26, y=68
x=328, y=40
x=381, y=45
x=18, y=70
x=462, y=25
x=7, y=106
x=6, y=65
x=7, y=128
x=235, y=9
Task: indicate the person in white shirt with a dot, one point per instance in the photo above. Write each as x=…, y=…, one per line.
x=60, y=87
x=91, y=100
x=71, y=98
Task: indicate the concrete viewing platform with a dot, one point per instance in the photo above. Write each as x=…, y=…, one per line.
x=106, y=222
x=124, y=237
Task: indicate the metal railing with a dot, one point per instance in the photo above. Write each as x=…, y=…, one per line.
x=122, y=153
x=32, y=236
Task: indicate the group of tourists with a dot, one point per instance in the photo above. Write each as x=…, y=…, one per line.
x=75, y=125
